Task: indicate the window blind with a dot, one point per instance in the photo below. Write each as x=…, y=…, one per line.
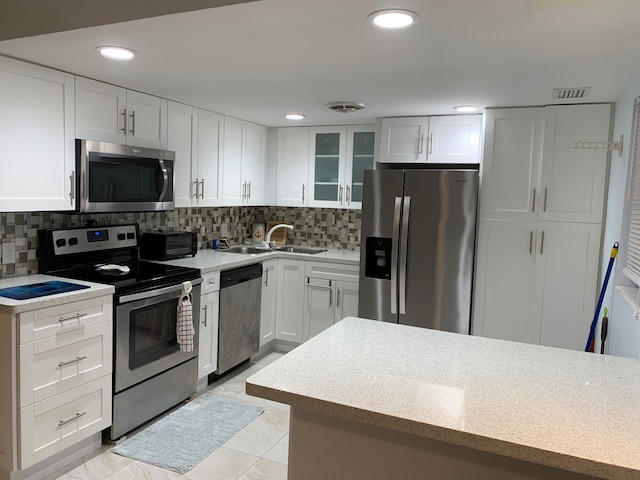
x=632, y=267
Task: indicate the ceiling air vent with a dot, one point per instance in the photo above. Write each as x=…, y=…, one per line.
x=345, y=107
x=570, y=93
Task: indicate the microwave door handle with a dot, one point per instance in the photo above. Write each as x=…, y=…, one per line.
x=165, y=180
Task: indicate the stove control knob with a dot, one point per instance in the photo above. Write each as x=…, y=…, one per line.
x=121, y=236
x=73, y=241
x=131, y=235
x=61, y=242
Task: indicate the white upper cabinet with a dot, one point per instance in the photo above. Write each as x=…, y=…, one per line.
x=110, y=113
x=530, y=170
x=444, y=139
x=243, y=162
x=195, y=137
x=37, y=136
x=360, y=157
x=292, y=166
x=512, y=163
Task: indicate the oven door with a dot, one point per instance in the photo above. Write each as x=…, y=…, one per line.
x=145, y=334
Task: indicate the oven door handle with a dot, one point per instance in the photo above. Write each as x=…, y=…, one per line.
x=155, y=293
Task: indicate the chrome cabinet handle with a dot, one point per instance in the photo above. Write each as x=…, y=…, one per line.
x=394, y=254
x=244, y=190
x=204, y=316
x=249, y=190
x=338, y=299
x=430, y=143
x=330, y=295
x=530, y=242
x=69, y=362
x=541, y=242
x=202, y=192
x=533, y=203
x=420, y=144
x=266, y=278
x=340, y=194
x=77, y=316
x=133, y=123
x=72, y=190
x=544, y=207
x=69, y=420
x=124, y=121
x=348, y=195
x=303, y=193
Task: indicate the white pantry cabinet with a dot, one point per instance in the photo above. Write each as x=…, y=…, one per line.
x=38, y=138
x=55, y=364
x=438, y=139
x=292, y=166
x=208, y=333
x=290, y=302
x=195, y=136
x=244, y=161
x=530, y=171
x=114, y=114
x=537, y=282
x=269, y=301
x=338, y=156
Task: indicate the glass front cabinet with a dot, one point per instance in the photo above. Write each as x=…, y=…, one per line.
x=339, y=155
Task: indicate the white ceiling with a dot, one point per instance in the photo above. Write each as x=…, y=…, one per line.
x=259, y=60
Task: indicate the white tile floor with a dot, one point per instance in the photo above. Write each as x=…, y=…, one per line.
x=257, y=452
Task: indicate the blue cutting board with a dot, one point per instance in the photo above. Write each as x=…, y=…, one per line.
x=42, y=289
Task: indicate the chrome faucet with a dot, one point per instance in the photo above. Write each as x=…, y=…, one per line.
x=267, y=242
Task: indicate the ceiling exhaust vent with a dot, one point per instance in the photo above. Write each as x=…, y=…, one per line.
x=345, y=107
x=570, y=93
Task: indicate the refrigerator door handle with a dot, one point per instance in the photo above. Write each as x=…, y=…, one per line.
x=394, y=255
x=404, y=244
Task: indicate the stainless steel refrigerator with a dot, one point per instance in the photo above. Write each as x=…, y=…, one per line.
x=417, y=247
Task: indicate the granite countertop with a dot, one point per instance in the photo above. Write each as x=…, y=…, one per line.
x=8, y=305
x=213, y=260
x=571, y=410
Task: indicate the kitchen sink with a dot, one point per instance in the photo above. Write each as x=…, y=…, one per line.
x=249, y=250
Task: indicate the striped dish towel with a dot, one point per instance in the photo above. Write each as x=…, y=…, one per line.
x=184, y=324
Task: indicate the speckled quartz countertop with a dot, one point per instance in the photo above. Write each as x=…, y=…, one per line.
x=213, y=260
x=570, y=410
x=8, y=305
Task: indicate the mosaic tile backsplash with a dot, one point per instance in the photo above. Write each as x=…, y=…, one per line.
x=317, y=227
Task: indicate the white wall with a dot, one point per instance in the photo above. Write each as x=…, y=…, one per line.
x=624, y=328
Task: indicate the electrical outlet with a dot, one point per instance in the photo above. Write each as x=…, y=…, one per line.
x=8, y=252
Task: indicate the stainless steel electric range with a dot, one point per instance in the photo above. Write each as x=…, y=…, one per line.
x=151, y=374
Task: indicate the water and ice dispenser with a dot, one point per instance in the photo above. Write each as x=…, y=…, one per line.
x=378, y=257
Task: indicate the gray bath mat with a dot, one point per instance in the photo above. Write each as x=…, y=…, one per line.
x=185, y=437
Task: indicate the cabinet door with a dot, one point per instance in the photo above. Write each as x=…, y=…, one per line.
x=37, y=134
x=346, y=300
x=360, y=151
x=100, y=111
x=512, y=163
x=269, y=300
x=290, y=305
x=208, y=334
x=454, y=139
x=327, y=154
x=403, y=140
x=566, y=282
x=319, y=306
x=504, y=282
x=292, y=166
x=254, y=164
x=182, y=135
x=146, y=120
x=233, y=189
x=573, y=180
x=210, y=139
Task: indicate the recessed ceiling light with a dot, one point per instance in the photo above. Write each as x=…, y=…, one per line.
x=294, y=116
x=465, y=108
x=116, y=53
x=393, y=18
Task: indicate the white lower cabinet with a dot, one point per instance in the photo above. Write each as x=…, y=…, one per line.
x=290, y=302
x=269, y=301
x=536, y=282
x=56, y=366
x=208, y=334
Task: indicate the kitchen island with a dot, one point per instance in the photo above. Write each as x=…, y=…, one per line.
x=376, y=400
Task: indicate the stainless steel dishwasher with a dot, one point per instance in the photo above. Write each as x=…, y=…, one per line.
x=239, y=321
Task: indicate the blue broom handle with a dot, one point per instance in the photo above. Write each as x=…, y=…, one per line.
x=594, y=322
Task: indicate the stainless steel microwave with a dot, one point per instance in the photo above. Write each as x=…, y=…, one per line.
x=122, y=178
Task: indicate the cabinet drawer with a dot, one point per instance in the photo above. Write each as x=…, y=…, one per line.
x=210, y=282
x=332, y=271
x=50, y=426
x=56, y=364
x=47, y=322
